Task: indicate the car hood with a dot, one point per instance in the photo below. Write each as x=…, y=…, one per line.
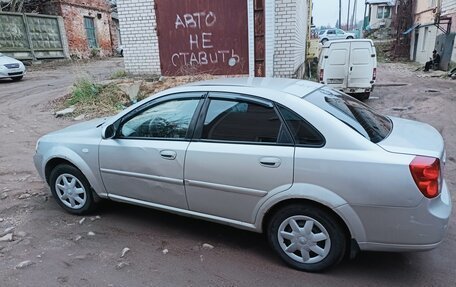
x=8, y=60
x=412, y=137
x=81, y=128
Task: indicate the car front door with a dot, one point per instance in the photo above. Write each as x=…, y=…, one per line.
x=340, y=34
x=242, y=152
x=145, y=161
x=331, y=34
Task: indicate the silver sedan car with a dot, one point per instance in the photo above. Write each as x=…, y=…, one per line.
x=322, y=174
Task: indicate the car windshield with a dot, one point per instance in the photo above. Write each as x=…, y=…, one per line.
x=370, y=124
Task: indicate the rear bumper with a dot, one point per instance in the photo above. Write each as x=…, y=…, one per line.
x=406, y=229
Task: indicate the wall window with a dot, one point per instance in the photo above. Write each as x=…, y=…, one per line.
x=90, y=31
x=383, y=12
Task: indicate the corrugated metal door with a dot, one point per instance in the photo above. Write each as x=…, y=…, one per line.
x=202, y=36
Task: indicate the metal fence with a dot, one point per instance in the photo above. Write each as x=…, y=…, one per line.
x=31, y=36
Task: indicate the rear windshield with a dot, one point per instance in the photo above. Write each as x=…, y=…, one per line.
x=373, y=126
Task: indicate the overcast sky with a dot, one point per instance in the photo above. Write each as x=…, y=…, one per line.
x=327, y=11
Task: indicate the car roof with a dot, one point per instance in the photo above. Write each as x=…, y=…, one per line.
x=294, y=87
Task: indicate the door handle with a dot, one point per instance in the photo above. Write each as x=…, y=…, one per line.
x=168, y=154
x=270, y=161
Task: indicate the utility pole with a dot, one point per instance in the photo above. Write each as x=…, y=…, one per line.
x=353, y=19
x=348, y=14
x=340, y=12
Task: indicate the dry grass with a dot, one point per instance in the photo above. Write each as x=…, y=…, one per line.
x=98, y=100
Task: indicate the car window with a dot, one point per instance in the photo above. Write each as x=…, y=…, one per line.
x=330, y=32
x=352, y=112
x=243, y=121
x=340, y=31
x=321, y=32
x=302, y=132
x=169, y=120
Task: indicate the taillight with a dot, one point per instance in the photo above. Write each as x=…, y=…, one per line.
x=322, y=73
x=374, y=74
x=426, y=173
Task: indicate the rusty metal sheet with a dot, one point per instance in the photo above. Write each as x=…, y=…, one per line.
x=202, y=36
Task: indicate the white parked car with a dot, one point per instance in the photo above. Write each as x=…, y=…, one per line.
x=11, y=68
x=334, y=34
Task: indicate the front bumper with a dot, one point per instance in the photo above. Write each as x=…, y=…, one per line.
x=11, y=73
x=38, y=161
x=406, y=229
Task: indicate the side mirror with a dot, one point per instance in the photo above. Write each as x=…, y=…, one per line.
x=108, y=132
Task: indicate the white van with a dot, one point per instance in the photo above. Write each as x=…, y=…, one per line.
x=349, y=66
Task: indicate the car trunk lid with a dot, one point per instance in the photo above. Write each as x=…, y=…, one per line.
x=412, y=137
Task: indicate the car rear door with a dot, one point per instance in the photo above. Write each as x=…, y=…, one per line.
x=145, y=161
x=362, y=59
x=242, y=152
x=335, y=70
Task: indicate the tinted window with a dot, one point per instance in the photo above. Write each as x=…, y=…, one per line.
x=302, y=132
x=352, y=112
x=242, y=121
x=165, y=120
x=331, y=32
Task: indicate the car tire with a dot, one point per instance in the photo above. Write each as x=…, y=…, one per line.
x=323, y=41
x=71, y=189
x=306, y=237
x=15, y=79
x=349, y=37
x=365, y=96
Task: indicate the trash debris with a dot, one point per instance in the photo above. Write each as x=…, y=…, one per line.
x=400, y=108
x=82, y=220
x=24, y=264
x=6, y=238
x=65, y=112
x=207, y=246
x=124, y=252
x=165, y=251
x=90, y=233
x=24, y=196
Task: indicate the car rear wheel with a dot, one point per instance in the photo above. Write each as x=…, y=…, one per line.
x=15, y=79
x=71, y=189
x=349, y=37
x=307, y=238
x=324, y=41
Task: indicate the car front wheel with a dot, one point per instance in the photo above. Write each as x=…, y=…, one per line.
x=307, y=238
x=71, y=189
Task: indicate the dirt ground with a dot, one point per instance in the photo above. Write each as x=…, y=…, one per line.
x=167, y=250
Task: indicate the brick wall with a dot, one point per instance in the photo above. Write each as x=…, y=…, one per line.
x=290, y=38
x=139, y=37
x=73, y=13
